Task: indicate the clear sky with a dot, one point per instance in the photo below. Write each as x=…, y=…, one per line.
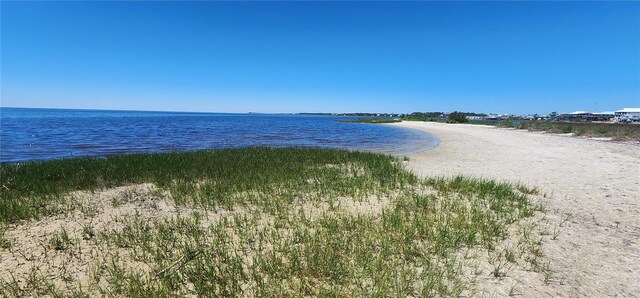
x=504, y=57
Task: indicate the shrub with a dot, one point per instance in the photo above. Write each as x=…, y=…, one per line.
x=567, y=129
x=457, y=117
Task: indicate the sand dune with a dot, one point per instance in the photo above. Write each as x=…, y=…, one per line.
x=593, y=187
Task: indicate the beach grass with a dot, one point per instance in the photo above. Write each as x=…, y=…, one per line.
x=258, y=222
x=615, y=131
x=36, y=188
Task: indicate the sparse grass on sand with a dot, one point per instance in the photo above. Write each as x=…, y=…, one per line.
x=615, y=131
x=371, y=120
x=257, y=222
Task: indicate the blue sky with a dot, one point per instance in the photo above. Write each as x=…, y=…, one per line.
x=504, y=57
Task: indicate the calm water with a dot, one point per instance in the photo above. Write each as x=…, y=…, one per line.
x=30, y=134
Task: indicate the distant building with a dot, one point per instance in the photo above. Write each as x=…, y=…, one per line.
x=577, y=115
x=586, y=116
x=602, y=116
x=494, y=117
x=627, y=114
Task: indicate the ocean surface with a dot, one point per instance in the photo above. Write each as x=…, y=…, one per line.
x=38, y=134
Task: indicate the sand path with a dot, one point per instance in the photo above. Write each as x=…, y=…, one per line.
x=594, y=197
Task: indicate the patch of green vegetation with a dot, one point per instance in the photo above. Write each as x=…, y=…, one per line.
x=457, y=117
x=621, y=132
x=371, y=120
x=282, y=222
x=60, y=240
x=38, y=188
x=527, y=190
x=567, y=129
x=4, y=242
x=88, y=232
x=428, y=116
x=579, y=131
x=409, y=248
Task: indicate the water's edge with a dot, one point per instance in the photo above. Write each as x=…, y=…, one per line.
x=435, y=141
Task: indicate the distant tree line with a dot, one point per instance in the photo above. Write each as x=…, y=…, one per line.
x=457, y=117
x=424, y=116
x=355, y=114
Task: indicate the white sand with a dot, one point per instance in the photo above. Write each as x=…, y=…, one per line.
x=593, y=188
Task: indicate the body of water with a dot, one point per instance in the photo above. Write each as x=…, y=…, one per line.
x=36, y=134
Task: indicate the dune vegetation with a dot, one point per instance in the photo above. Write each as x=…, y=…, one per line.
x=257, y=222
x=615, y=131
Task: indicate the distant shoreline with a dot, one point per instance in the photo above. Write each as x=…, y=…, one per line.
x=336, y=114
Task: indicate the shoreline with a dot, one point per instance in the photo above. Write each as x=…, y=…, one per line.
x=592, y=189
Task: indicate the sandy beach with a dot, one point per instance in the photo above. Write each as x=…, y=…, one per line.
x=593, y=192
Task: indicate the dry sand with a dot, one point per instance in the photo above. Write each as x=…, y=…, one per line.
x=593, y=188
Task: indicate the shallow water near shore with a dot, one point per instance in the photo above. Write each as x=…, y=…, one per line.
x=37, y=134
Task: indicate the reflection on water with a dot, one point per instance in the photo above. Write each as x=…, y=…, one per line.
x=29, y=134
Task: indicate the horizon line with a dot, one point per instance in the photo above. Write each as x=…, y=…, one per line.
x=250, y=112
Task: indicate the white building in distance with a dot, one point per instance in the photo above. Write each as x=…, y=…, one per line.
x=628, y=112
x=627, y=115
